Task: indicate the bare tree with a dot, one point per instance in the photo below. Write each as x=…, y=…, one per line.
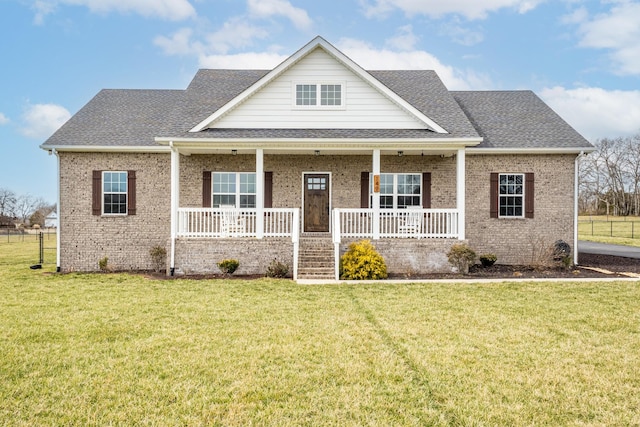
x=26, y=205
x=7, y=202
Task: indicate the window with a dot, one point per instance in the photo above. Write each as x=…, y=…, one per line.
x=114, y=193
x=398, y=191
x=330, y=95
x=234, y=189
x=511, y=195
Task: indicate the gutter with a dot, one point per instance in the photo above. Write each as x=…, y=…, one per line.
x=575, y=207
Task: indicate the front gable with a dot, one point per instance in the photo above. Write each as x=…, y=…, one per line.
x=365, y=103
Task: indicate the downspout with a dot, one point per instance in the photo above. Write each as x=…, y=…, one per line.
x=58, y=268
x=575, y=207
x=174, y=196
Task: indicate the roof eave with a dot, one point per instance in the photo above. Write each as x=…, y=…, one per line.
x=530, y=150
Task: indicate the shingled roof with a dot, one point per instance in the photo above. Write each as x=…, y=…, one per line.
x=517, y=119
x=134, y=118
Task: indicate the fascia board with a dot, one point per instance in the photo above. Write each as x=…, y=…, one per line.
x=553, y=150
x=106, y=149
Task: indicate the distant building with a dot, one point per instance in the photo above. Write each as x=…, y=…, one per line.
x=51, y=220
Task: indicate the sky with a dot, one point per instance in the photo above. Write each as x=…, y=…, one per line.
x=581, y=57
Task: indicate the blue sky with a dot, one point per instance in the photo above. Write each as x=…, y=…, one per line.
x=581, y=57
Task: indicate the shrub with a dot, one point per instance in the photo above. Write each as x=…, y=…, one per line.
x=362, y=262
x=103, y=264
x=228, y=266
x=277, y=269
x=487, y=260
x=461, y=256
x=158, y=258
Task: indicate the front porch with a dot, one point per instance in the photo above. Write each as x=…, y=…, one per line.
x=400, y=234
x=406, y=197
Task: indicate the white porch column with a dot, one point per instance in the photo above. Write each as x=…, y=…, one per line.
x=376, y=196
x=175, y=202
x=460, y=192
x=259, y=193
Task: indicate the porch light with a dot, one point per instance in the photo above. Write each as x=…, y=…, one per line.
x=234, y=152
x=400, y=153
x=317, y=152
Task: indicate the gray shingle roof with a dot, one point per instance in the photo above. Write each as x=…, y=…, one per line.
x=517, y=119
x=135, y=117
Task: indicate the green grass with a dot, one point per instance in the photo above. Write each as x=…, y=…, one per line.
x=610, y=229
x=119, y=349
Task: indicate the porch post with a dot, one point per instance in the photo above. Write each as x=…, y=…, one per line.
x=259, y=193
x=175, y=201
x=376, y=196
x=460, y=192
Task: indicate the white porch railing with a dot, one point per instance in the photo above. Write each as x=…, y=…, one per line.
x=396, y=223
x=222, y=222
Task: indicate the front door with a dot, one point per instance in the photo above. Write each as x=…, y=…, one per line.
x=316, y=202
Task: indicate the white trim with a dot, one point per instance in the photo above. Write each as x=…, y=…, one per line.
x=548, y=150
x=58, y=212
x=102, y=193
x=461, y=193
x=318, y=106
x=317, y=42
x=575, y=206
x=259, y=193
x=303, y=201
x=375, y=202
x=110, y=148
x=522, y=196
x=175, y=201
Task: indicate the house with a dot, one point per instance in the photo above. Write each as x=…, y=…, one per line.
x=51, y=220
x=295, y=163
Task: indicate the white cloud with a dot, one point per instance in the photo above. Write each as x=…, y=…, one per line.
x=173, y=10
x=235, y=33
x=41, y=120
x=267, y=8
x=595, y=112
x=403, y=40
x=371, y=58
x=3, y=119
x=249, y=60
x=461, y=33
x=471, y=9
x=617, y=31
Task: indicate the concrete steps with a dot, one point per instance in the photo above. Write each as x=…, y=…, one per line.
x=315, y=258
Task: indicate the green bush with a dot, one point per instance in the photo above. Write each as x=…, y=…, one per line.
x=228, y=266
x=103, y=264
x=461, y=256
x=277, y=269
x=362, y=262
x=158, y=258
x=487, y=260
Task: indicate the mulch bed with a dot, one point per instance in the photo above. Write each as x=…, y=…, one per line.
x=615, y=266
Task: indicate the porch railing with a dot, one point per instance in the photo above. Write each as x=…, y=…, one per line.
x=222, y=222
x=396, y=223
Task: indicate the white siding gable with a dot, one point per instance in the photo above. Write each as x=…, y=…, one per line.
x=273, y=106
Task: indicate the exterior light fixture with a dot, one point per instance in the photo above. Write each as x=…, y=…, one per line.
x=400, y=153
x=317, y=152
x=234, y=152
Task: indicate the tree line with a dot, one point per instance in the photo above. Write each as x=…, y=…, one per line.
x=22, y=209
x=610, y=178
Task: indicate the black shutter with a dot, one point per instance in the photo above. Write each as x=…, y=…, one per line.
x=131, y=191
x=426, y=190
x=493, y=197
x=364, y=190
x=528, y=194
x=96, y=193
x=206, y=189
x=268, y=189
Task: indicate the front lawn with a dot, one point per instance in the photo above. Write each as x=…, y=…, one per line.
x=119, y=349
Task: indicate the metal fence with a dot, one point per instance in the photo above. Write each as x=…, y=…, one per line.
x=624, y=229
x=14, y=235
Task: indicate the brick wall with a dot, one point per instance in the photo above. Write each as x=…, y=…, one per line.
x=200, y=256
x=513, y=240
x=125, y=240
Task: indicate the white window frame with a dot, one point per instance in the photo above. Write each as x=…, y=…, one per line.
x=395, y=194
x=119, y=192
x=318, y=104
x=521, y=195
x=237, y=193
